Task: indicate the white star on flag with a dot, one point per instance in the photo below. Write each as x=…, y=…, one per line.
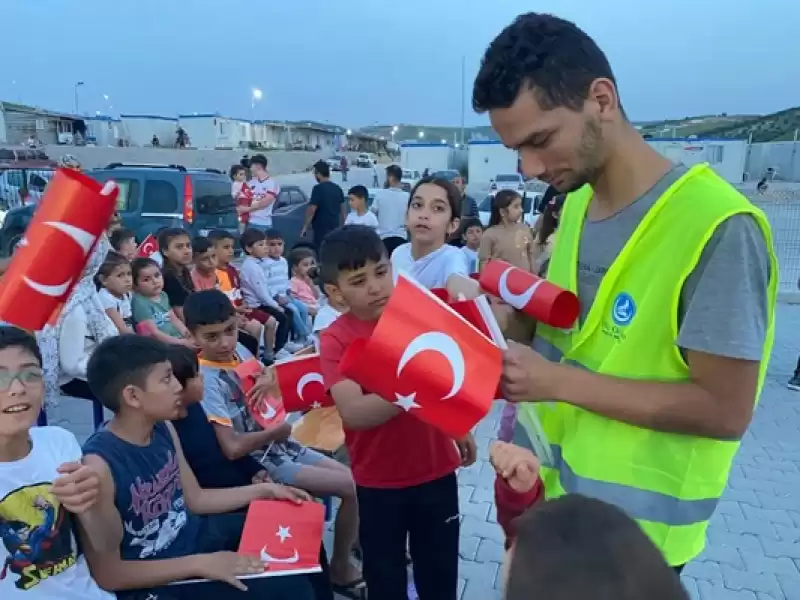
x=406, y=402
x=316, y=405
x=283, y=533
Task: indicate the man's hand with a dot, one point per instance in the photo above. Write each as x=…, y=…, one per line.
x=276, y=491
x=468, y=450
x=527, y=375
x=78, y=487
x=518, y=466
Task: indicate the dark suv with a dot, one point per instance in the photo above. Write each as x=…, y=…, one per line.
x=152, y=197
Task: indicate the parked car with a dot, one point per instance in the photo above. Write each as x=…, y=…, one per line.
x=152, y=197
x=448, y=174
x=288, y=216
x=335, y=163
x=24, y=173
x=365, y=160
x=510, y=181
x=529, y=214
x=410, y=178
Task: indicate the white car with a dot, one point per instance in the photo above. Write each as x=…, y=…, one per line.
x=529, y=216
x=507, y=181
x=410, y=178
x=365, y=160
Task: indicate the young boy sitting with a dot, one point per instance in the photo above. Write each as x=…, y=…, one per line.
x=124, y=242
x=276, y=270
x=43, y=488
x=212, y=322
x=404, y=468
x=166, y=527
x=574, y=535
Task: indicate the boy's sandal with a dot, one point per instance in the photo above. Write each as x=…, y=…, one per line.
x=355, y=590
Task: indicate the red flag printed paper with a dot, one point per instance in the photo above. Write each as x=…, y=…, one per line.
x=267, y=410
x=286, y=536
x=301, y=385
x=428, y=360
x=536, y=297
x=72, y=215
x=148, y=247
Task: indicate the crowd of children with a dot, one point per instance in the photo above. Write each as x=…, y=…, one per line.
x=158, y=492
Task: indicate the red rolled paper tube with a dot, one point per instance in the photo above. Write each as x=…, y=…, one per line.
x=536, y=297
x=72, y=215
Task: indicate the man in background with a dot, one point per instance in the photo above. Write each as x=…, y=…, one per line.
x=326, y=209
x=390, y=206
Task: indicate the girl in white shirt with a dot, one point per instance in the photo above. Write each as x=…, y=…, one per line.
x=431, y=218
x=115, y=284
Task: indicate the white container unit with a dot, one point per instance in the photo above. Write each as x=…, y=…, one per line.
x=420, y=156
x=489, y=158
x=727, y=157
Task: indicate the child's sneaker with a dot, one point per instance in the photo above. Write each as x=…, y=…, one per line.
x=282, y=354
x=794, y=383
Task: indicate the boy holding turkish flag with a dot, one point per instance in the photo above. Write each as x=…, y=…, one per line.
x=404, y=468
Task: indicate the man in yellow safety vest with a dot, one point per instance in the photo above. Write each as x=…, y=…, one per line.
x=644, y=401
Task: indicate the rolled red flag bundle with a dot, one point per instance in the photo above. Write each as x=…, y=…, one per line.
x=72, y=215
x=536, y=297
x=301, y=385
x=428, y=360
x=265, y=410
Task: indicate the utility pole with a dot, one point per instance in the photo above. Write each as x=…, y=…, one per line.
x=77, y=85
x=463, y=95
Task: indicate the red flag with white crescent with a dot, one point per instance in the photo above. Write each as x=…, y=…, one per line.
x=536, y=297
x=266, y=410
x=301, y=385
x=148, y=247
x=286, y=536
x=428, y=360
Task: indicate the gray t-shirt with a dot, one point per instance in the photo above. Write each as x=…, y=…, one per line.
x=724, y=305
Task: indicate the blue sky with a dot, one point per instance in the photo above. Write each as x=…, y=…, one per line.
x=358, y=62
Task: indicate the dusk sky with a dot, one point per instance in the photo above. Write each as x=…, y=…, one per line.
x=358, y=62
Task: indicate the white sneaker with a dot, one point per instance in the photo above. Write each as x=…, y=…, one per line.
x=282, y=354
x=294, y=346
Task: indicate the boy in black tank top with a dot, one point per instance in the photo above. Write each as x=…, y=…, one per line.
x=169, y=529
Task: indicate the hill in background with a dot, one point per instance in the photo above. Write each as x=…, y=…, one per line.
x=775, y=127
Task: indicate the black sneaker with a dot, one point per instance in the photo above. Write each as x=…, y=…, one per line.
x=794, y=383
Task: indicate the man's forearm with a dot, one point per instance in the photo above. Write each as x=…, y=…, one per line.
x=672, y=407
x=369, y=411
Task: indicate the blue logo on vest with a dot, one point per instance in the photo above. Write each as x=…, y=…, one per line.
x=624, y=309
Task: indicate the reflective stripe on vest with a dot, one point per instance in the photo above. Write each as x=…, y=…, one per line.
x=670, y=483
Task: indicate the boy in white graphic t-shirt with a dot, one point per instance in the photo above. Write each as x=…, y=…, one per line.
x=265, y=191
x=43, y=486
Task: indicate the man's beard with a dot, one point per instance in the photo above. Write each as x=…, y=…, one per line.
x=589, y=155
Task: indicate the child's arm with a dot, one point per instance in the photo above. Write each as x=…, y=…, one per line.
x=486, y=249
x=252, y=277
x=177, y=323
x=517, y=486
x=359, y=410
x=118, y=321
x=218, y=501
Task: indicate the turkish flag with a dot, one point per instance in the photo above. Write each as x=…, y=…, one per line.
x=286, y=536
x=428, y=360
x=536, y=297
x=266, y=410
x=301, y=385
x=148, y=247
x=72, y=215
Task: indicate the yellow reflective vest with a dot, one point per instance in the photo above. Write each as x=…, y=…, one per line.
x=669, y=483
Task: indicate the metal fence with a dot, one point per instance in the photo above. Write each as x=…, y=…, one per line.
x=782, y=157
x=783, y=211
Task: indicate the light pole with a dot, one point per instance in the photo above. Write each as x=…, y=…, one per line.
x=77, y=85
x=421, y=134
x=394, y=130
x=463, y=95
x=256, y=96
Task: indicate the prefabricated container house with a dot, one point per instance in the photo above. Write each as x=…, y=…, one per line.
x=419, y=156
x=140, y=129
x=727, y=157
x=489, y=158
x=103, y=131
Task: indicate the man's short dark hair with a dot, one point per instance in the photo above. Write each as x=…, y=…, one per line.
x=573, y=534
x=121, y=361
x=185, y=365
x=259, y=159
x=273, y=234
x=217, y=235
x=14, y=337
x=359, y=191
x=207, y=307
x=200, y=245
x=322, y=168
x=120, y=236
x=544, y=53
x=395, y=172
x=166, y=235
x=349, y=248
x=470, y=222
x=249, y=237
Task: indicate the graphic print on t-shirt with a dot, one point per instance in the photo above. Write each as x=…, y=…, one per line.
x=37, y=534
x=162, y=513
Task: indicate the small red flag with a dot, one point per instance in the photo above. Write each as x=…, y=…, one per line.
x=286, y=536
x=453, y=387
x=267, y=411
x=536, y=297
x=301, y=385
x=148, y=247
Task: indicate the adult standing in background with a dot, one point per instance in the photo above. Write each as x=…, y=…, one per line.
x=265, y=192
x=326, y=209
x=390, y=206
x=646, y=398
x=469, y=206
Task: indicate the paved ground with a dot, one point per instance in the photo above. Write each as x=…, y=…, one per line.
x=753, y=551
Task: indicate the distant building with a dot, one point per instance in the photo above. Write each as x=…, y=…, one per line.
x=139, y=129
x=19, y=123
x=102, y=131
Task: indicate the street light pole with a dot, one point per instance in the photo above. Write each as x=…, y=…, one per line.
x=77, y=85
x=463, y=95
